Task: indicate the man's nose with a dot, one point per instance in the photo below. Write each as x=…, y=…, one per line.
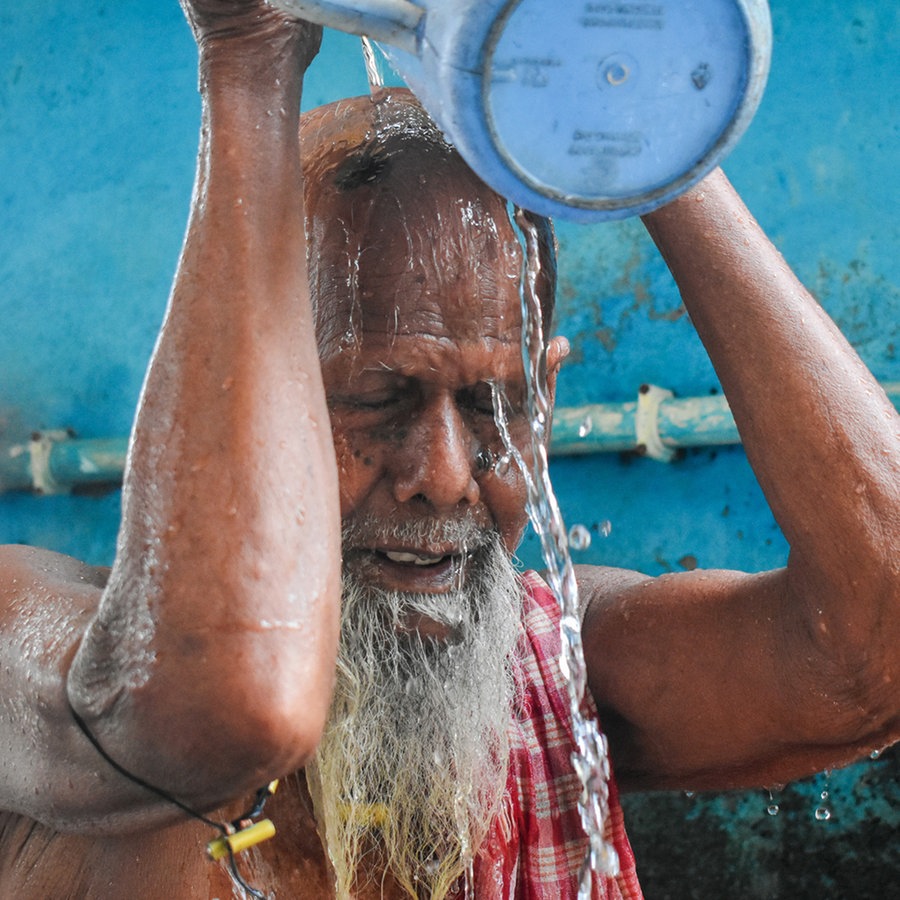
x=436, y=462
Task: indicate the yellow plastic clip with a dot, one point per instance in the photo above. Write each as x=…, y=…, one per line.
x=232, y=844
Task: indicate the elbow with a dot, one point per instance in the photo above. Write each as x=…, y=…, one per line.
x=218, y=714
x=210, y=749
x=267, y=718
x=279, y=718
x=857, y=676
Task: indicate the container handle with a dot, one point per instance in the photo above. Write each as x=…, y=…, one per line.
x=395, y=22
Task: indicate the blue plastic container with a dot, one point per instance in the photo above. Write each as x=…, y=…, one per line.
x=584, y=110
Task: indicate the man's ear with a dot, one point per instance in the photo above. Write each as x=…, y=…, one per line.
x=557, y=351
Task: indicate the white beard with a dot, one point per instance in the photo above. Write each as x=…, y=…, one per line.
x=411, y=770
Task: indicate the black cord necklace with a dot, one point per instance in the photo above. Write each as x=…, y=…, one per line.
x=235, y=836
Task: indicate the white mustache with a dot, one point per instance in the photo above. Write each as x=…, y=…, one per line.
x=370, y=532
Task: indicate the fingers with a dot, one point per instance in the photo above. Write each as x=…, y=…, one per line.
x=215, y=20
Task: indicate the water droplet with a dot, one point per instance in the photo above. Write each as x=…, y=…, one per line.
x=586, y=426
x=772, y=809
x=579, y=537
x=823, y=810
x=875, y=754
x=605, y=528
x=690, y=794
x=502, y=466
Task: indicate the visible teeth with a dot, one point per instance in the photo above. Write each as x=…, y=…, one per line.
x=401, y=557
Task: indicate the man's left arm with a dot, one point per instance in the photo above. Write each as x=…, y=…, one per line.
x=722, y=679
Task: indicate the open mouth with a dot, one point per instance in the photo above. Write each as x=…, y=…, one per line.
x=404, y=558
x=422, y=570
x=424, y=557
x=433, y=577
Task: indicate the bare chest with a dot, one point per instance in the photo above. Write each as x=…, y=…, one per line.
x=37, y=862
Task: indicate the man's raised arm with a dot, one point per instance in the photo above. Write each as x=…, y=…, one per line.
x=206, y=666
x=719, y=679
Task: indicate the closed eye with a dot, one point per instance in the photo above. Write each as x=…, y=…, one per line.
x=372, y=392
x=372, y=402
x=478, y=398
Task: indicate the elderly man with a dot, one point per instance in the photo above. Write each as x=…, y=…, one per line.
x=425, y=749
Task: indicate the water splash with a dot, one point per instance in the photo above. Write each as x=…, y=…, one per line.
x=373, y=72
x=579, y=537
x=502, y=466
x=590, y=760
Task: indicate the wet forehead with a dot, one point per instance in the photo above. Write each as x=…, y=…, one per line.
x=416, y=257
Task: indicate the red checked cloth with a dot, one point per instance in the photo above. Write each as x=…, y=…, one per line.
x=535, y=848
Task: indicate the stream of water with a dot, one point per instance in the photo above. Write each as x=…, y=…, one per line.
x=591, y=761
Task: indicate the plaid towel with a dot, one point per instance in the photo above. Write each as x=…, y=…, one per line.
x=536, y=847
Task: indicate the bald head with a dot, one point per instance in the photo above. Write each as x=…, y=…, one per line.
x=382, y=184
x=356, y=141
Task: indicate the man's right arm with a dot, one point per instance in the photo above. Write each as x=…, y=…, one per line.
x=205, y=664
x=713, y=679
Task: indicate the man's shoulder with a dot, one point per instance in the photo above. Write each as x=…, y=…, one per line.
x=21, y=565
x=43, y=595
x=593, y=582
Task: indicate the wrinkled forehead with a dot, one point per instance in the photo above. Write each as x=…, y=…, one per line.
x=402, y=233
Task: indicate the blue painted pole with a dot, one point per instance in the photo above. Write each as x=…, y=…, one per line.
x=51, y=463
x=681, y=422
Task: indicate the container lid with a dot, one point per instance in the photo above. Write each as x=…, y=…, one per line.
x=607, y=109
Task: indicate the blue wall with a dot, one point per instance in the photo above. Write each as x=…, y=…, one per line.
x=100, y=116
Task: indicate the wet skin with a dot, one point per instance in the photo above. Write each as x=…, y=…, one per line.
x=38, y=863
